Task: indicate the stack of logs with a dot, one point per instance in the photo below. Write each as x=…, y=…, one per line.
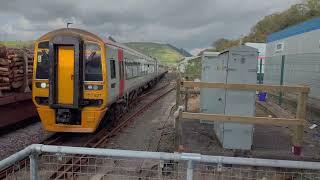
x=29, y=54
x=12, y=67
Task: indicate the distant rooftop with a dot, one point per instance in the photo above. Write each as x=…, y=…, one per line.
x=300, y=28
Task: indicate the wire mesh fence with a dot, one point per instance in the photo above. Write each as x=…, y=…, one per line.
x=19, y=170
x=59, y=166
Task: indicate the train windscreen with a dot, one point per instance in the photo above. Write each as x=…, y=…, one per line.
x=92, y=61
x=43, y=61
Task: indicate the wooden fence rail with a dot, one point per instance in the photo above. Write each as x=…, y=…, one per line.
x=297, y=122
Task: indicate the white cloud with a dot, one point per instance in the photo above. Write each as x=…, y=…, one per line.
x=186, y=23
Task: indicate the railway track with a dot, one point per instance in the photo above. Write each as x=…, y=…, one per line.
x=101, y=137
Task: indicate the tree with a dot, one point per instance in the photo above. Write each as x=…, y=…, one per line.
x=223, y=44
x=297, y=13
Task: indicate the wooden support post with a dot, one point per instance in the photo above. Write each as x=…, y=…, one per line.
x=178, y=91
x=178, y=130
x=186, y=99
x=178, y=116
x=299, y=129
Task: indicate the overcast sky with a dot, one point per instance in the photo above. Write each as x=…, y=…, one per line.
x=189, y=24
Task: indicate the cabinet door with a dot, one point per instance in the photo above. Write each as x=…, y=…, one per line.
x=242, y=68
x=213, y=100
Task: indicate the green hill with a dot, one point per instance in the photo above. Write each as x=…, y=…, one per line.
x=163, y=52
x=166, y=53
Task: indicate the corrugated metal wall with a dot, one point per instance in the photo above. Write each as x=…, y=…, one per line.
x=298, y=69
x=302, y=62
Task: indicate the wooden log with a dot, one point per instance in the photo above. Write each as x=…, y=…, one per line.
x=5, y=66
x=4, y=69
x=14, y=68
x=3, y=51
x=17, y=64
x=4, y=73
x=4, y=84
x=10, y=56
x=16, y=79
x=5, y=88
x=4, y=62
x=18, y=71
x=17, y=84
x=4, y=79
x=18, y=75
x=15, y=59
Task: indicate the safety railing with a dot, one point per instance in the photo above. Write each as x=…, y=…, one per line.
x=126, y=164
x=184, y=87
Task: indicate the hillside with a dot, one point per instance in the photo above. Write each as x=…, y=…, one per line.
x=166, y=53
x=163, y=52
x=305, y=10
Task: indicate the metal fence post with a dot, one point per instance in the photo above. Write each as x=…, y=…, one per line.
x=260, y=72
x=190, y=170
x=34, y=160
x=283, y=57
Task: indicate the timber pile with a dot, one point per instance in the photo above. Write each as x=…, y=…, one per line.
x=30, y=65
x=4, y=69
x=12, y=65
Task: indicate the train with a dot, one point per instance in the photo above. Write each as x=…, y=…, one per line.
x=78, y=77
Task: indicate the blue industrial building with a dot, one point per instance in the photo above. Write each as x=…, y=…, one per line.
x=293, y=57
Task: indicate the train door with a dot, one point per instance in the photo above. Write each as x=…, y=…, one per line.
x=65, y=74
x=113, y=77
x=121, y=72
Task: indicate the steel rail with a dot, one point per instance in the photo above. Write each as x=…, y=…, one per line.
x=104, y=137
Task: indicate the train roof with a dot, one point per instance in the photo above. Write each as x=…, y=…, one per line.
x=89, y=36
x=71, y=31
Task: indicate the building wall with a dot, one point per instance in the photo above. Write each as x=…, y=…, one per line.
x=308, y=42
x=302, y=62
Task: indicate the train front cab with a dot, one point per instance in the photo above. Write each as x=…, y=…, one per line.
x=69, y=87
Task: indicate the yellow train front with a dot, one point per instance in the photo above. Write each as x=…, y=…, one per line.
x=74, y=82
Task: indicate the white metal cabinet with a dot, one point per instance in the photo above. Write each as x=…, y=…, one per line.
x=237, y=65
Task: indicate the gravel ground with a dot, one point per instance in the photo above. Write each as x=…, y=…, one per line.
x=268, y=141
x=152, y=131
x=21, y=138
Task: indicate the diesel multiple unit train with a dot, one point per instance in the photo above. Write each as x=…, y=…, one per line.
x=78, y=76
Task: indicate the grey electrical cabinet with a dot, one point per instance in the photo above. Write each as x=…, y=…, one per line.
x=236, y=65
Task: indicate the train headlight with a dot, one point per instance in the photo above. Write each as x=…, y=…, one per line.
x=42, y=85
x=93, y=87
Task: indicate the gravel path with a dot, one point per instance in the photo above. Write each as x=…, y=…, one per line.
x=21, y=138
x=152, y=131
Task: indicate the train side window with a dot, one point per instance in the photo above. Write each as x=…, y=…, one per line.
x=43, y=64
x=112, y=68
x=121, y=70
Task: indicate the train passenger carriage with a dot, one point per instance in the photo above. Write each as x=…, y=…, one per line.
x=79, y=76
